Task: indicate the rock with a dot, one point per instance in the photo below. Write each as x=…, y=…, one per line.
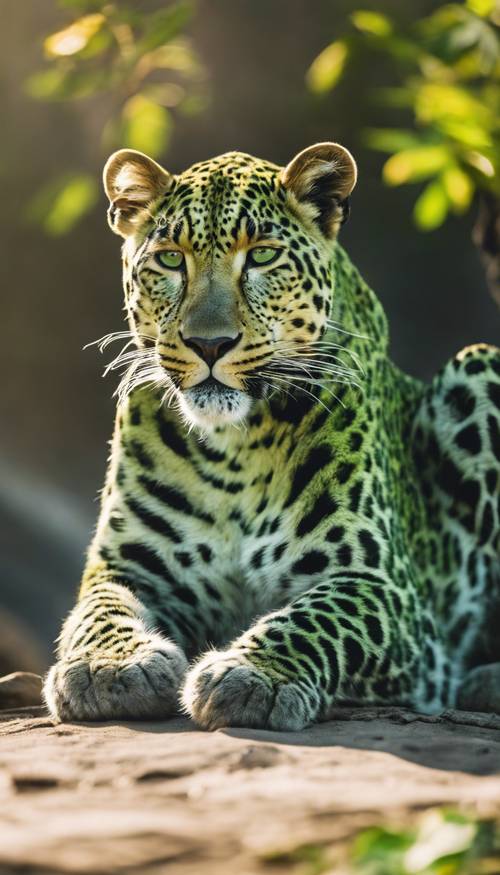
x=18, y=649
x=20, y=689
x=133, y=797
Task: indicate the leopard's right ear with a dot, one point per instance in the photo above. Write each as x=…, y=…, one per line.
x=132, y=182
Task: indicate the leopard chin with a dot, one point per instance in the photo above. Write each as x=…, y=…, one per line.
x=211, y=403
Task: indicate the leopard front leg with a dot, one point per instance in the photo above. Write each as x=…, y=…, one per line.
x=111, y=665
x=342, y=640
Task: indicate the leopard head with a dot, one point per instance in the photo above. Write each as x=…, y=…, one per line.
x=227, y=272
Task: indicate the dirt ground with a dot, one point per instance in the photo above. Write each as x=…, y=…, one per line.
x=165, y=797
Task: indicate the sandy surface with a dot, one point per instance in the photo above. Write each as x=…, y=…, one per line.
x=165, y=797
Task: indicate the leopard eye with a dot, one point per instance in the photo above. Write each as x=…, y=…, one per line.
x=171, y=258
x=262, y=255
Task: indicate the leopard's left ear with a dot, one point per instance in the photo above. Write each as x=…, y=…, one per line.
x=321, y=179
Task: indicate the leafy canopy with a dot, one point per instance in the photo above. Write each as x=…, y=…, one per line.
x=137, y=68
x=447, y=68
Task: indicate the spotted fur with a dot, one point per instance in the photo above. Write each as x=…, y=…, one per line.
x=297, y=516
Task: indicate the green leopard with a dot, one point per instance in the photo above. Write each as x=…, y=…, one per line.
x=289, y=522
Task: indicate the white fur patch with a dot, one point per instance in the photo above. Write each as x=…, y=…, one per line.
x=210, y=406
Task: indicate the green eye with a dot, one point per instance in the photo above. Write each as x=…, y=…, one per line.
x=170, y=258
x=262, y=255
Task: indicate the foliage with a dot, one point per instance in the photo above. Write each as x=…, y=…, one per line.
x=441, y=842
x=447, y=68
x=136, y=67
x=59, y=205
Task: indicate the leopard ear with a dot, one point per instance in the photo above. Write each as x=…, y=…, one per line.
x=132, y=182
x=321, y=179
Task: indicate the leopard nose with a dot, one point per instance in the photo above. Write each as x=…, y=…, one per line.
x=210, y=349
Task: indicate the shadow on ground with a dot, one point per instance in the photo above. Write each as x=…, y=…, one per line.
x=452, y=741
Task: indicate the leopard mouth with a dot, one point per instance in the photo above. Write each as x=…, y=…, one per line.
x=212, y=403
x=211, y=384
x=209, y=389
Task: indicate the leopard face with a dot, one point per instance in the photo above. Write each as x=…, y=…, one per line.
x=227, y=272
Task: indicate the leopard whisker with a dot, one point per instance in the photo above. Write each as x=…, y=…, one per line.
x=287, y=382
x=311, y=366
x=125, y=359
x=137, y=375
x=320, y=347
x=323, y=346
x=315, y=381
x=318, y=357
x=335, y=326
x=269, y=383
x=112, y=336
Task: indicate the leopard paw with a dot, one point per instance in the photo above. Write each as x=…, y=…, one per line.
x=106, y=687
x=225, y=689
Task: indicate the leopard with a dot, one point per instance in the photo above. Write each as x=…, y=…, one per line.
x=289, y=523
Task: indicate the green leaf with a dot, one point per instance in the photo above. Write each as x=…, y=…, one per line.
x=435, y=101
x=441, y=841
x=60, y=205
x=396, y=98
x=74, y=38
x=449, y=23
x=431, y=207
x=458, y=187
x=165, y=93
x=326, y=70
x=406, y=52
x=467, y=134
x=46, y=84
x=178, y=56
x=481, y=163
x=391, y=139
x=378, y=841
x=453, y=32
x=314, y=856
x=193, y=104
x=483, y=8
x=58, y=83
x=146, y=125
x=412, y=165
x=163, y=25
x=97, y=44
x=371, y=22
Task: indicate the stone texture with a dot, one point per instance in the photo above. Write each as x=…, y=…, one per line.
x=162, y=797
x=20, y=689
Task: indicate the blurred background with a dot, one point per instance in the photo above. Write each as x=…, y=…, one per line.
x=412, y=89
